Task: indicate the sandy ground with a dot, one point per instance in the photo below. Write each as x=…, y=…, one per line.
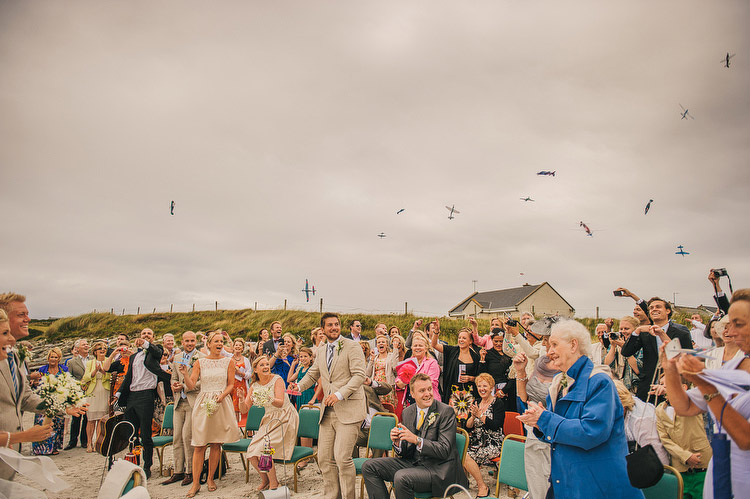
x=84, y=472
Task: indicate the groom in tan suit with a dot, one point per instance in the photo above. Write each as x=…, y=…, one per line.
x=340, y=368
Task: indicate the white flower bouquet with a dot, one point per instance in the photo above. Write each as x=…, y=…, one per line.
x=58, y=393
x=262, y=396
x=210, y=406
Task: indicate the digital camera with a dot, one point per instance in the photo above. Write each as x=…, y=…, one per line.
x=720, y=272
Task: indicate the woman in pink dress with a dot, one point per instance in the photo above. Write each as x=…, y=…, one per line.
x=424, y=363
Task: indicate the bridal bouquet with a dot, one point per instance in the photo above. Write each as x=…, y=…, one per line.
x=210, y=406
x=262, y=396
x=58, y=393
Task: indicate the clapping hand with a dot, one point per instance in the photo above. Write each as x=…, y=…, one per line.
x=474, y=409
x=532, y=414
x=520, y=361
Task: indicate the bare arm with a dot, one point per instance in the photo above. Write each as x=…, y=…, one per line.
x=278, y=393
x=191, y=380
x=436, y=345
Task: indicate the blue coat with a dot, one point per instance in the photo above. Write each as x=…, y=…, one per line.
x=587, y=433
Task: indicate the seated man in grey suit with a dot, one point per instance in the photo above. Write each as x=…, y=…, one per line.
x=426, y=444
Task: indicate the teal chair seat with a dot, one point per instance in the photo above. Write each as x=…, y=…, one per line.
x=252, y=423
x=511, y=469
x=358, y=462
x=669, y=487
x=161, y=441
x=238, y=446
x=298, y=453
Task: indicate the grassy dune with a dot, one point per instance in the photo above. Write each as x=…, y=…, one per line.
x=246, y=323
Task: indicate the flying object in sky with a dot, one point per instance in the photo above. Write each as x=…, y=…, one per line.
x=586, y=228
x=171, y=208
x=526, y=199
x=648, y=206
x=725, y=61
x=545, y=172
x=685, y=113
x=681, y=251
x=400, y=211
x=381, y=235
x=453, y=210
x=307, y=290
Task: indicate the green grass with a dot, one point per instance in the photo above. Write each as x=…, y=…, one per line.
x=246, y=323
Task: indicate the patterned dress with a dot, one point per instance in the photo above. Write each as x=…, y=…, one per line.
x=486, y=439
x=220, y=426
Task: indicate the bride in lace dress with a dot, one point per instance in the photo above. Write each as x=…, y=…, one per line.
x=213, y=417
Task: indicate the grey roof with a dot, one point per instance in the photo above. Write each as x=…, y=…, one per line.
x=502, y=298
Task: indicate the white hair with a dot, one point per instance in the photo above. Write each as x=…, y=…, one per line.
x=167, y=335
x=77, y=343
x=569, y=330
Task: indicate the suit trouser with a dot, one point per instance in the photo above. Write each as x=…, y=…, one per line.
x=140, y=412
x=407, y=477
x=78, y=425
x=183, y=433
x=335, y=444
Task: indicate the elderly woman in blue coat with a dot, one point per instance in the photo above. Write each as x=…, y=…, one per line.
x=583, y=422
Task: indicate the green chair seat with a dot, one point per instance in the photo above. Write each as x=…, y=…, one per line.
x=161, y=441
x=358, y=462
x=670, y=486
x=298, y=453
x=238, y=446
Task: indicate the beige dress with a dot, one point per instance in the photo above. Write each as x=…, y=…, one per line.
x=282, y=441
x=221, y=426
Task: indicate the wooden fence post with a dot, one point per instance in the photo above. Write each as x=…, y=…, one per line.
x=406, y=308
x=321, y=305
x=285, y=304
x=139, y=311
x=193, y=307
x=171, y=305
x=217, y=305
x=256, y=306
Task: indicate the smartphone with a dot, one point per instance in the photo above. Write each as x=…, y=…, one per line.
x=618, y=293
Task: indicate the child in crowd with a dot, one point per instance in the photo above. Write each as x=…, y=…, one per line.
x=684, y=437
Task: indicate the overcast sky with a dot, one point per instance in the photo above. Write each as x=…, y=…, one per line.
x=289, y=134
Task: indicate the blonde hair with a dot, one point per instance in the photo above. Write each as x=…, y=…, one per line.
x=420, y=335
x=97, y=344
x=7, y=298
x=626, y=398
x=486, y=377
x=254, y=377
x=365, y=348
x=211, y=336
x=57, y=351
x=631, y=320
x=3, y=316
x=294, y=343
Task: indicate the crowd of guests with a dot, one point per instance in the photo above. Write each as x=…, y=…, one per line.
x=581, y=400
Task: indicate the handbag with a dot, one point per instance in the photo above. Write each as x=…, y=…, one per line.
x=644, y=467
x=221, y=469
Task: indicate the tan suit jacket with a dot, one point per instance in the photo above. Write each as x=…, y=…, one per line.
x=346, y=377
x=178, y=377
x=76, y=367
x=12, y=406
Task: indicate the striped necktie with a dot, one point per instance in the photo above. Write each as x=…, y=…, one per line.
x=13, y=375
x=329, y=358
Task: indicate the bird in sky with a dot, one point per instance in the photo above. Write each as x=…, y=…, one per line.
x=171, y=208
x=400, y=211
x=526, y=199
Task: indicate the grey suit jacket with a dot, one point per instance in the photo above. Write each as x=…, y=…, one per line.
x=76, y=367
x=12, y=406
x=439, y=453
x=177, y=376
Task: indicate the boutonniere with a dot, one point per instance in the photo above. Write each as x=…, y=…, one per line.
x=23, y=354
x=564, y=381
x=431, y=419
x=340, y=346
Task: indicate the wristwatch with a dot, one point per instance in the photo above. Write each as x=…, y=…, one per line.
x=710, y=396
x=419, y=442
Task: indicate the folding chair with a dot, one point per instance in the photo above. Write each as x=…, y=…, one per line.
x=462, y=444
x=379, y=439
x=511, y=470
x=254, y=416
x=309, y=424
x=670, y=486
x=512, y=425
x=161, y=440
